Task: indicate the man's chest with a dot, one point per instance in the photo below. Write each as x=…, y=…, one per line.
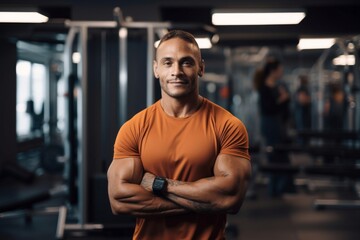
x=184, y=152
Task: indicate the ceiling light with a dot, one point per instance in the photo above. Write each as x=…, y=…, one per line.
x=315, y=43
x=76, y=57
x=344, y=60
x=204, y=43
x=224, y=17
x=22, y=17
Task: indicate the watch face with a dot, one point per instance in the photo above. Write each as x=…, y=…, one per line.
x=159, y=185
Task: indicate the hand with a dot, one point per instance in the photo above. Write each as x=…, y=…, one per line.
x=147, y=181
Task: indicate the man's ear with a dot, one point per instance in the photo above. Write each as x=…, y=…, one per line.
x=155, y=66
x=202, y=68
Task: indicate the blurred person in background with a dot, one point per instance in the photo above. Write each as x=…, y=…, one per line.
x=273, y=104
x=335, y=108
x=303, y=104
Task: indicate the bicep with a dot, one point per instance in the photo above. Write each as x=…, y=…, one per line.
x=128, y=170
x=124, y=176
x=234, y=170
x=234, y=173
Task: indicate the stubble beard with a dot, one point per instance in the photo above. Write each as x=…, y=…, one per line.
x=179, y=95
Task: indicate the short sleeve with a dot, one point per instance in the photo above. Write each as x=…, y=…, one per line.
x=234, y=139
x=126, y=143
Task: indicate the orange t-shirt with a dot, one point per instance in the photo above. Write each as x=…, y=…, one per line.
x=182, y=149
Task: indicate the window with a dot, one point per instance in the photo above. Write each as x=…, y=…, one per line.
x=30, y=96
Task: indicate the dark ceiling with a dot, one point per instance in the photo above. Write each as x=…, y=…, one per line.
x=324, y=18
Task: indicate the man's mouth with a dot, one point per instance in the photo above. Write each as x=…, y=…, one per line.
x=178, y=82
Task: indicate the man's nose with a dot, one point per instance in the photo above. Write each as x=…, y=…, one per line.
x=177, y=70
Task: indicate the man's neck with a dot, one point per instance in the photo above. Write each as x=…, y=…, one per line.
x=181, y=108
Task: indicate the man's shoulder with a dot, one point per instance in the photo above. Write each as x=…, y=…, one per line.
x=223, y=119
x=218, y=111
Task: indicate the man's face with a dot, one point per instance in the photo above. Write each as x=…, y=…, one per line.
x=178, y=66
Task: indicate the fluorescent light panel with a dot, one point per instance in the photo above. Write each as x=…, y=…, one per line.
x=204, y=43
x=257, y=18
x=22, y=17
x=344, y=60
x=315, y=43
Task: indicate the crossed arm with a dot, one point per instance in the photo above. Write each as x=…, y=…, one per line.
x=130, y=190
x=126, y=195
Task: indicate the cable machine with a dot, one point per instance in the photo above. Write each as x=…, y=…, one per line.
x=337, y=65
x=78, y=145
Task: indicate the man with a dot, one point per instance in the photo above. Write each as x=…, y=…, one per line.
x=181, y=164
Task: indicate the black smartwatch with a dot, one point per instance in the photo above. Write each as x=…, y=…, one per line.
x=159, y=186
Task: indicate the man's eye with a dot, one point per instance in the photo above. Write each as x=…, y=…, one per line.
x=167, y=63
x=187, y=63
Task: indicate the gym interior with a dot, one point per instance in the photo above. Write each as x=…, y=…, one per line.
x=73, y=77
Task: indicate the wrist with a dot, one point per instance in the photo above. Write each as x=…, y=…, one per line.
x=159, y=186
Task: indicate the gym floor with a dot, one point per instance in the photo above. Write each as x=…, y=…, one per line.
x=291, y=217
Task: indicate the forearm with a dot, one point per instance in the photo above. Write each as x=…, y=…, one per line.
x=186, y=200
x=192, y=205
x=207, y=195
x=135, y=200
x=224, y=192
